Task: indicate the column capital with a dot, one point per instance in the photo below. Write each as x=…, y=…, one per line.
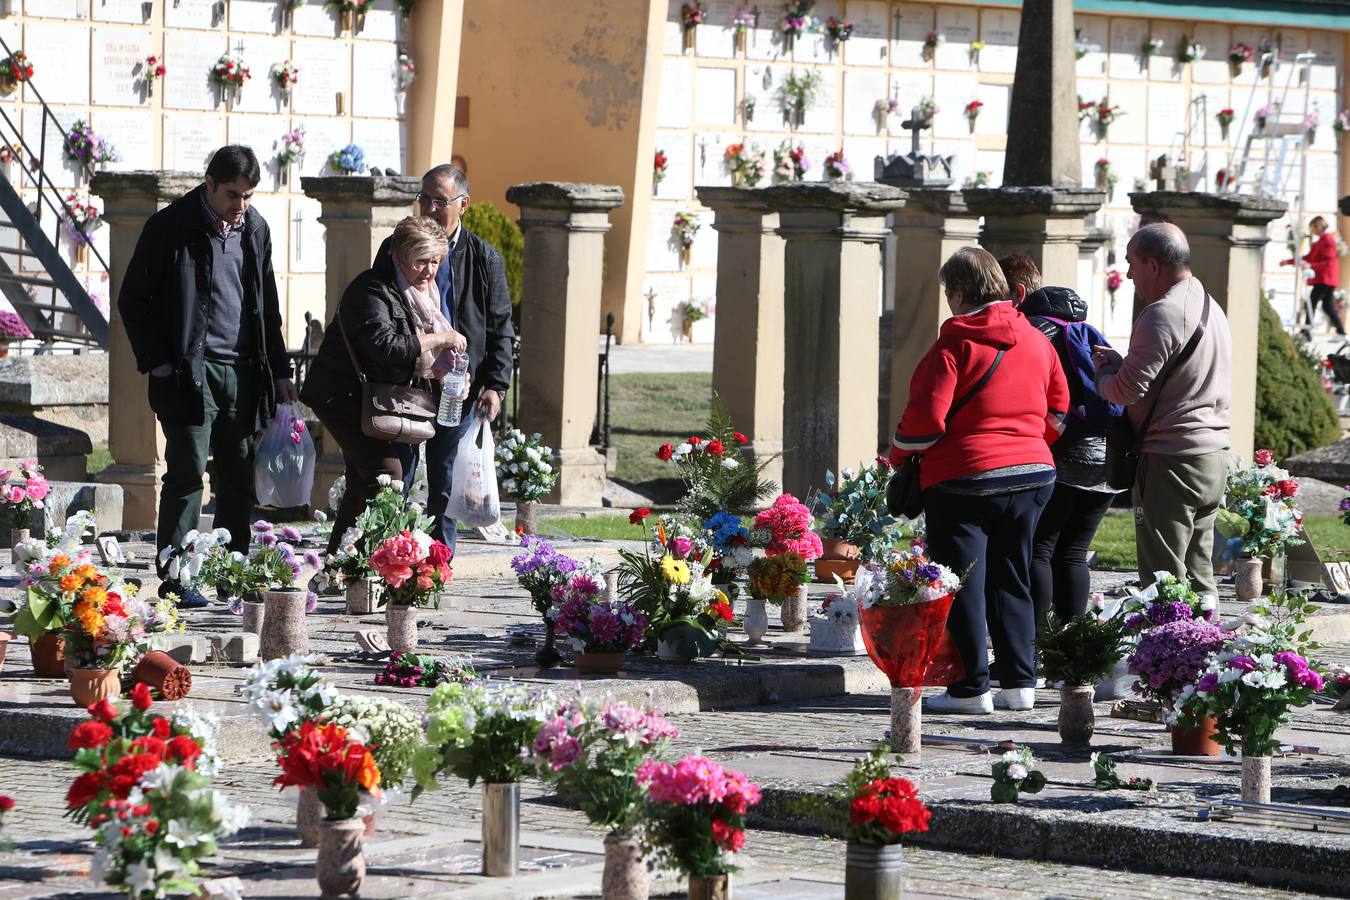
x=1044, y=202
x=938, y=201
x=857, y=198
x=738, y=210
x=1225, y=209
x=160, y=186
x=367, y=190
x=562, y=195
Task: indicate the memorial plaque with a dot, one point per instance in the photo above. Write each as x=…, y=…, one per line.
x=763, y=85
x=909, y=88
x=823, y=113
x=258, y=16
x=871, y=33
x=661, y=296
x=953, y=92
x=998, y=30
x=1214, y=68
x=1094, y=31
x=273, y=208
x=118, y=56
x=324, y=73
x=813, y=46
x=704, y=255
x=817, y=148
x=188, y=59
x=861, y=152
x=1167, y=114
x=709, y=160
x=1132, y=124
x=911, y=23
x=190, y=141
x=994, y=114
x=990, y=161
x=259, y=54
x=65, y=51
x=862, y=90
x=312, y=20
x=958, y=25
x=126, y=12
x=1166, y=65
x=678, y=148
x=191, y=13
x=1130, y=163
x=1127, y=41
x=672, y=32
x=322, y=137
x=1330, y=49
x=58, y=9
x=60, y=170
x=675, y=105
x=716, y=38
x=263, y=134
x=662, y=254
x=715, y=96
x=383, y=142
x=375, y=90
x=132, y=133
x=765, y=42
x=1324, y=172
x=381, y=22
x=306, y=236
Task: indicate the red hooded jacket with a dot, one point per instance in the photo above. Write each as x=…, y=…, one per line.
x=1012, y=420
x=1326, y=268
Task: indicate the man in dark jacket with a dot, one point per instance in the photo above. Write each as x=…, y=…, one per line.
x=475, y=300
x=199, y=302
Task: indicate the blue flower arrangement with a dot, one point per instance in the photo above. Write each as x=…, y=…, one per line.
x=351, y=159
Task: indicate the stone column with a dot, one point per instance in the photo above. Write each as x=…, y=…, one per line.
x=933, y=225
x=748, y=342
x=1045, y=223
x=832, y=304
x=134, y=438
x=565, y=226
x=434, y=32
x=359, y=212
x=1043, y=147
x=1227, y=234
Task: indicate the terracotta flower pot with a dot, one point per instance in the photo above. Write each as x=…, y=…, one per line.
x=164, y=674
x=527, y=516
x=284, y=629
x=5, y=638
x=836, y=548
x=709, y=887
x=1197, y=741
x=625, y=876
x=1077, y=720
x=49, y=656
x=340, y=867
x=401, y=627
x=1247, y=579
x=793, y=611
x=826, y=569
x=88, y=686
x=599, y=663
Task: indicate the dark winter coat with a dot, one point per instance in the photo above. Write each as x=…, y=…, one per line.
x=165, y=299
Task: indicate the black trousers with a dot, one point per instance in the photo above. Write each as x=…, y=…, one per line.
x=1324, y=295
x=1059, y=570
x=991, y=537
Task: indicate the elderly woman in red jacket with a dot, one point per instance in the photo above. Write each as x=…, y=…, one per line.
x=987, y=472
x=1326, y=272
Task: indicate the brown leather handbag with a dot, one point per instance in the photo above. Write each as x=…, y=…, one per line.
x=392, y=412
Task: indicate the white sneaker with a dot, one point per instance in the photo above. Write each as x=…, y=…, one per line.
x=982, y=705
x=1016, y=698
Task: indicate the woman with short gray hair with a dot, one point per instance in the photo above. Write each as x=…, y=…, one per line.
x=391, y=315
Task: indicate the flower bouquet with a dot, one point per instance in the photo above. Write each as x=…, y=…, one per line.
x=541, y=570
x=285, y=76
x=14, y=70
x=229, y=74
x=292, y=150
x=732, y=550
x=418, y=670
x=685, y=612
x=1151, y=47
x=1170, y=658
x=788, y=523
x=109, y=623
x=931, y=42
x=349, y=160
x=745, y=163
x=691, y=16
x=283, y=694
x=54, y=583
x=1106, y=176
x=780, y=580
x=22, y=496
x=191, y=564
x=1260, y=117
x=145, y=787
x=696, y=816
x=384, y=516
x=1259, y=518
x=719, y=474
x=526, y=473
x=1077, y=653
x=659, y=165
x=1189, y=50
x=796, y=21
x=591, y=753
x=837, y=167
x=683, y=228
x=1238, y=54
x=152, y=69
x=797, y=95
x=599, y=630
x=790, y=163
x=1225, y=117
x=926, y=110
x=972, y=112
x=1167, y=599
x=854, y=520
x=1014, y=774
x=1102, y=114
x=391, y=730
x=838, y=29
x=85, y=148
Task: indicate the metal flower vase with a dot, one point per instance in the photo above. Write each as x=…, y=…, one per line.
x=873, y=872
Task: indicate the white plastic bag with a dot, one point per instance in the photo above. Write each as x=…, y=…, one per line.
x=473, y=493
x=283, y=466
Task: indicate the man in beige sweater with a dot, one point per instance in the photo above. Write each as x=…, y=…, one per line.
x=1185, y=451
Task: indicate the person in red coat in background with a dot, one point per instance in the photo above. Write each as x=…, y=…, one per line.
x=987, y=472
x=1326, y=272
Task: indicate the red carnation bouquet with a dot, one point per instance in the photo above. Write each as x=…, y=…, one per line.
x=331, y=760
x=718, y=471
x=869, y=806
x=697, y=813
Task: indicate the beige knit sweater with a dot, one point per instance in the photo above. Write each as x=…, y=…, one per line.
x=1193, y=404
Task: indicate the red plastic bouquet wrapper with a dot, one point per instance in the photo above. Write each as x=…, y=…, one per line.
x=911, y=643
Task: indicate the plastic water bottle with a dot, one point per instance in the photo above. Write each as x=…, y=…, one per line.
x=454, y=391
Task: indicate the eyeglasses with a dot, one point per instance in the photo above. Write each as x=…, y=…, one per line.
x=436, y=203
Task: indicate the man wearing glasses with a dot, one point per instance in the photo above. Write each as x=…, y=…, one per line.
x=474, y=299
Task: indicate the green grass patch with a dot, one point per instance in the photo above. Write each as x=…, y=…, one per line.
x=1114, y=541
x=648, y=409
x=609, y=528
x=97, y=460
x=1330, y=536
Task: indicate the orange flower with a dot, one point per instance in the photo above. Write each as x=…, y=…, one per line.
x=95, y=595
x=86, y=572
x=734, y=150
x=90, y=619
x=71, y=583
x=368, y=776
x=59, y=562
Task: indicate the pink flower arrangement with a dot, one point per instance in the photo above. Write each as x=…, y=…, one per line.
x=698, y=812
x=20, y=498
x=413, y=566
x=788, y=522
x=1114, y=280
x=591, y=623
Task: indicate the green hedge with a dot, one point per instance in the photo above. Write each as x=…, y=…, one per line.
x=484, y=220
x=1293, y=412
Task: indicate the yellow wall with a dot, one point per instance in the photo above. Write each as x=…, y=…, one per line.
x=566, y=97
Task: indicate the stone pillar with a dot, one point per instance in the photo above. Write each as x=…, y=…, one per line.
x=1045, y=223
x=564, y=226
x=134, y=438
x=832, y=304
x=1043, y=146
x=1228, y=235
x=933, y=225
x=359, y=212
x=748, y=342
x=434, y=32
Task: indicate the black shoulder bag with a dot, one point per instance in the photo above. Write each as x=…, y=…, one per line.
x=904, y=495
x=1124, y=444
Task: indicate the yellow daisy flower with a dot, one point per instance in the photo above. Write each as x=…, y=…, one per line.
x=676, y=571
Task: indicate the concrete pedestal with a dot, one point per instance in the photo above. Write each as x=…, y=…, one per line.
x=1045, y=223
x=748, y=341
x=832, y=304
x=134, y=438
x=564, y=226
x=1228, y=235
x=933, y=225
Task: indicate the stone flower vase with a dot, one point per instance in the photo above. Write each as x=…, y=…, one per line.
x=363, y=596
x=625, y=876
x=906, y=721
x=17, y=536
x=254, y=613
x=88, y=686
x=1255, y=779
x=709, y=887
x=167, y=676
x=527, y=516
x=309, y=813
x=793, y=612
x=401, y=626
x=1076, y=717
x=49, y=655
x=873, y=871
x=1247, y=579
x=756, y=621
x=340, y=867
x=501, y=828
x=284, y=629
